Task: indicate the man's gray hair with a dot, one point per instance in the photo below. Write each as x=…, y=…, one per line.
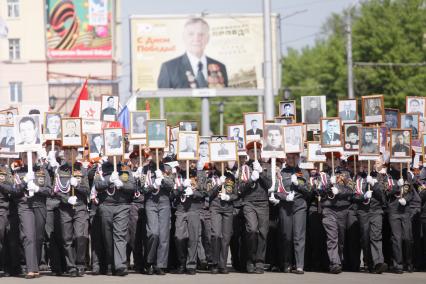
x=197, y=20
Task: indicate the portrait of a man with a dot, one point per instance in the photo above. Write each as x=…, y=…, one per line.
x=156, y=135
x=96, y=146
x=391, y=118
x=373, y=109
x=411, y=121
x=293, y=139
x=416, y=105
x=193, y=69
x=109, y=108
x=330, y=132
x=347, y=110
x=187, y=146
x=223, y=151
x=138, y=124
x=369, y=143
x=287, y=108
x=52, y=126
x=253, y=126
x=71, y=131
x=235, y=132
x=273, y=139
x=7, y=139
x=312, y=110
x=400, y=141
x=27, y=133
x=113, y=142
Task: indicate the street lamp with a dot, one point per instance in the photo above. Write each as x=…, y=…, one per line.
x=221, y=111
x=287, y=93
x=52, y=102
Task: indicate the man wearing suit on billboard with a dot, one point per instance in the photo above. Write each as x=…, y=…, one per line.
x=193, y=69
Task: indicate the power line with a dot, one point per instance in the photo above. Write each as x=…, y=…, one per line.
x=390, y=64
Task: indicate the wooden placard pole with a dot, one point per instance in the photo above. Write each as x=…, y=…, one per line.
x=115, y=163
x=255, y=150
x=332, y=163
x=72, y=172
x=187, y=169
x=223, y=173
x=140, y=155
x=156, y=159
x=369, y=172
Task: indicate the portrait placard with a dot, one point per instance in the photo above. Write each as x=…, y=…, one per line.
x=27, y=132
x=287, y=109
x=314, y=152
x=348, y=110
x=96, y=145
x=109, y=108
x=223, y=151
x=188, y=126
x=156, y=134
x=391, y=118
x=7, y=116
x=313, y=109
x=138, y=124
x=236, y=133
x=293, y=138
x=351, y=137
x=400, y=143
x=373, y=109
x=113, y=141
x=187, y=145
x=52, y=126
x=273, y=141
x=253, y=126
x=330, y=132
x=410, y=121
x=7, y=139
x=416, y=105
x=71, y=132
x=285, y=120
x=369, y=142
x=91, y=126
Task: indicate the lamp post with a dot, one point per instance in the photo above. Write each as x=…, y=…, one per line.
x=287, y=93
x=52, y=102
x=221, y=111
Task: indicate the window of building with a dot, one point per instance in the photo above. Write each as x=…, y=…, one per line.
x=14, y=49
x=13, y=8
x=15, y=90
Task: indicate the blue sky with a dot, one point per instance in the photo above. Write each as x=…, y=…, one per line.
x=300, y=25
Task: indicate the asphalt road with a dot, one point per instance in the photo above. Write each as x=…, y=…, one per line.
x=206, y=278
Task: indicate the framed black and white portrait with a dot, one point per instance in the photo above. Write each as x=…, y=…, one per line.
x=253, y=126
x=156, y=136
x=348, y=110
x=293, y=138
x=138, y=124
x=109, y=108
x=27, y=132
x=314, y=152
x=236, y=133
x=52, y=126
x=90, y=110
x=313, y=109
x=96, y=145
x=187, y=145
x=391, y=118
x=203, y=149
x=400, y=144
x=188, y=126
x=416, y=105
x=331, y=132
x=71, y=132
x=369, y=141
x=287, y=109
x=7, y=138
x=273, y=141
x=223, y=151
x=411, y=121
x=113, y=141
x=351, y=136
x=7, y=116
x=373, y=109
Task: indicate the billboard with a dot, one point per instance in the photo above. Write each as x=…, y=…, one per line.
x=79, y=29
x=186, y=52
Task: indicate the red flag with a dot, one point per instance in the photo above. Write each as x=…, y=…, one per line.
x=84, y=96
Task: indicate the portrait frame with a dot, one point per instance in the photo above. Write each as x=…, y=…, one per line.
x=304, y=108
x=229, y=130
x=76, y=141
x=90, y=110
x=181, y=155
x=402, y=118
x=376, y=137
x=151, y=138
x=258, y=116
x=293, y=108
x=3, y=115
x=324, y=121
x=133, y=116
x=174, y=132
x=3, y=135
x=90, y=138
x=113, y=151
x=377, y=118
x=194, y=125
x=20, y=146
x=313, y=147
x=230, y=147
x=205, y=140
x=395, y=132
x=49, y=136
x=408, y=108
x=301, y=142
x=395, y=114
x=104, y=106
x=340, y=109
x=348, y=146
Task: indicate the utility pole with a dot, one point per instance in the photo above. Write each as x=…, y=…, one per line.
x=349, y=55
x=267, y=71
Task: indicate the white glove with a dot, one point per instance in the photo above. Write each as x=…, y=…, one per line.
x=402, y=201
x=222, y=180
x=174, y=171
x=333, y=179
x=200, y=165
x=189, y=191
x=411, y=174
x=271, y=190
x=368, y=194
x=159, y=174
x=371, y=180
x=114, y=176
x=224, y=197
x=257, y=167
x=335, y=190
x=29, y=176
x=254, y=175
x=383, y=171
x=273, y=200
x=187, y=183
x=33, y=187
x=400, y=182
x=294, y=179
x=290, y=197
x=73, y=181
x=72, y=200
x=51, y=158
x=157, y=182
x=104, y=159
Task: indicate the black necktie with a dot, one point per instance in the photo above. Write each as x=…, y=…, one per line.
x=201, y=81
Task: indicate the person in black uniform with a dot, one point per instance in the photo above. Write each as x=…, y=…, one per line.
x=30, y=189
x=71, y=185
x=115, y=191
x=292, y=214
x=5, y=190
x=222, y=192
x=189, y=196
x=422, y=192
x=256, y=182
x=157, y=188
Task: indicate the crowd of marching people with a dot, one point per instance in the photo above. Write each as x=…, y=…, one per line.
x=154, y=214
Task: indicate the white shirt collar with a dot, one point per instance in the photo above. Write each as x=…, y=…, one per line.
x=193, y=60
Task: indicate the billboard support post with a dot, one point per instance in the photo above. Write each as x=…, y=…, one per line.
x=205, y=117
x=267, y=72
x=162, y=114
